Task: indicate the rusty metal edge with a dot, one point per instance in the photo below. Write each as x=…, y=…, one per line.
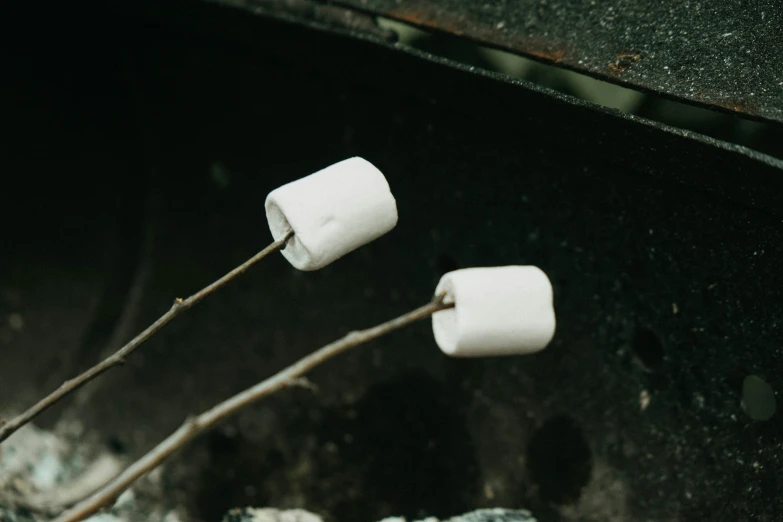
x=545, y=53
x=272, y=8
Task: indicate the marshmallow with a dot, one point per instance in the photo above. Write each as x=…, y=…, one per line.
x=332, y=212
x=502, y=310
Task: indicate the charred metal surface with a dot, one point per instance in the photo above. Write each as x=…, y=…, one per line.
x=725, y=55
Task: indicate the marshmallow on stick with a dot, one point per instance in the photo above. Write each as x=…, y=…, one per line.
x=332, y=212
x=504, y=310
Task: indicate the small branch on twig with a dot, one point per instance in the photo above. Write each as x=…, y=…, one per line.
x=194, y=426
x=304, y=382
x=119, y=357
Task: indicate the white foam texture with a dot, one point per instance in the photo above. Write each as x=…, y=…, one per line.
x=506, y=310
x=332, y=212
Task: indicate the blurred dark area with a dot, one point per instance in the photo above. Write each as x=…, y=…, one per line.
x=140, y=140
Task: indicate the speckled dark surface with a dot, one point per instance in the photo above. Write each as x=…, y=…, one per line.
x=664, y=249
x=726, y=54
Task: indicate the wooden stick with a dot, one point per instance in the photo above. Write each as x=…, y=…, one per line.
x=118, y=358
x=291, y=376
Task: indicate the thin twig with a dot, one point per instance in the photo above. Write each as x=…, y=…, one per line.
x=194, y=426
x=118, y=358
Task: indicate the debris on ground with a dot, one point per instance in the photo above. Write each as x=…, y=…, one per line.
x=42, y=473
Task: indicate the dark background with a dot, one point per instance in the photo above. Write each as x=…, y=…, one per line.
x=139, y=147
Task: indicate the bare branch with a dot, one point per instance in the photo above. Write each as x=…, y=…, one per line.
x=196, y=425
x=119, y=357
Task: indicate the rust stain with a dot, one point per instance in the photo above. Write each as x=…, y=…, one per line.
x=623, y=61
x=424, y=16
x=429, y=19
x=418, y=17
x=734, y=105
x=549, y=55
x=730, y=104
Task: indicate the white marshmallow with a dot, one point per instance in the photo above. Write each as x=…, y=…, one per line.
x=332, y=212
x=502, y=310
